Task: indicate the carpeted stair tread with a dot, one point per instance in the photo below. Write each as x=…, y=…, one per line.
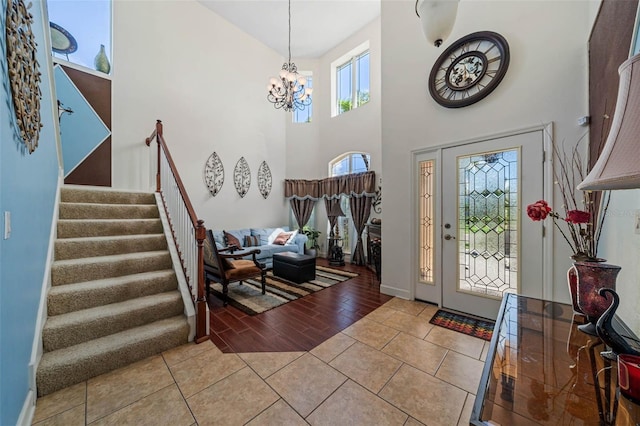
x=74, y=228
x=95, y=268
x=67, y=298
x=107, y=211
x=108, y=196
x=75, y=248
x=70, y=329
x=68, y=366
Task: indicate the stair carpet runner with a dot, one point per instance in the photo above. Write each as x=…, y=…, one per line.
x=114, y=296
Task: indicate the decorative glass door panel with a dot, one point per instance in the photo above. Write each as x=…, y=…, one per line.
x=488, y=222
x=485, y=231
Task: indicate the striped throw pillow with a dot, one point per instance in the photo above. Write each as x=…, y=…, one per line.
x=251, y=240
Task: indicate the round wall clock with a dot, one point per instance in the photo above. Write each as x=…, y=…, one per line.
x=469, y=69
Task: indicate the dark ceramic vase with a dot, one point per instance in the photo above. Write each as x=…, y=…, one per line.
x=607, y=333
x=592, y=276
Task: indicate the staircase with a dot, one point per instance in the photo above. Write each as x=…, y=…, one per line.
x=114, y=298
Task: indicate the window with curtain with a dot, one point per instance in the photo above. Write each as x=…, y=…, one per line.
x=353, y=162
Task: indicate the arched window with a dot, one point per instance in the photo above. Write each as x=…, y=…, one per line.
x=350, y=162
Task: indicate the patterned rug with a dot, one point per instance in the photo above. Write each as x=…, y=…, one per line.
x=248, y=297
x=463, y=324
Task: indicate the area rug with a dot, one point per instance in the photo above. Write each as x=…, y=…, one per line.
x=463, y=324
x=248, y=296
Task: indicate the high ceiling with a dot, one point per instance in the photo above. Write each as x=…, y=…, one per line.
x=316, y=25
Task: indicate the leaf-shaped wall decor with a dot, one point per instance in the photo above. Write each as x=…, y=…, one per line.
x=242, y=177
x=264, y=179
x=214, y=174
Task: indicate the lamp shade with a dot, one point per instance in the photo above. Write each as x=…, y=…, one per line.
x=618, y=166
x=437, y=18
x=336, y=211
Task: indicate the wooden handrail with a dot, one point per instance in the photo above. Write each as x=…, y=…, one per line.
x=198, y=226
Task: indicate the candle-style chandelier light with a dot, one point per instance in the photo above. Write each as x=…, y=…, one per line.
x=288, y=91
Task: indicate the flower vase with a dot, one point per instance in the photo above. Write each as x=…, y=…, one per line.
x=592, y=276
x=101, y=61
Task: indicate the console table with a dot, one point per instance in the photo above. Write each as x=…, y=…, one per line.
x=541, y=369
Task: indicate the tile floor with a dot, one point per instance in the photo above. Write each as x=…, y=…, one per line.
x=392, y=367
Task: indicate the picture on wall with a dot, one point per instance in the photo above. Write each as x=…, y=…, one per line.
x=264, y=179
x=214, y=174
x=242, y=177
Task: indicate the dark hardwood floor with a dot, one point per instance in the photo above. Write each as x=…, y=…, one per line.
x=302, y=324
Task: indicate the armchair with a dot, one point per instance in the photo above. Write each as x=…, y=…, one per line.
x=224, y=267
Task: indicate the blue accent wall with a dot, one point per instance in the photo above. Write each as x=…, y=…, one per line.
x=27, y=190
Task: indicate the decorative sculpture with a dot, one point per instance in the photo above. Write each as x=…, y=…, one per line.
x=264, y=179
x=214, y=174
x=607, y=333
x=242, y=177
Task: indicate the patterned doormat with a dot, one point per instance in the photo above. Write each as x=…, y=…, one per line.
x=248, y=297
x=463, y=324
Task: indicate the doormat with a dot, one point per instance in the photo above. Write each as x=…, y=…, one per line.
x=249, y=299
x=464, y=324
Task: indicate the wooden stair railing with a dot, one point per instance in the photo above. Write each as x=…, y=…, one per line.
x=188, y=231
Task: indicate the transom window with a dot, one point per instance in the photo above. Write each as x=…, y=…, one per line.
x=351, y=80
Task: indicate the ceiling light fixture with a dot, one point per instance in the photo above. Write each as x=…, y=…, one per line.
x=437, y=18
x=288, y=91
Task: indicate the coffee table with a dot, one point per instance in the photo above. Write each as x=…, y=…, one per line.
x=294, y=267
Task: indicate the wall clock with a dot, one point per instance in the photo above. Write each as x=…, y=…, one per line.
x=24, y=73
x=469, y=69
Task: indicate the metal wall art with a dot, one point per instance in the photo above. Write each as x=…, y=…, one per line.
x=24, y=74
x=242, y=177
x=214, y=174
x=264, y=179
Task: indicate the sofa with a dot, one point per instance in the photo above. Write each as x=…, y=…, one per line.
x=264, y=239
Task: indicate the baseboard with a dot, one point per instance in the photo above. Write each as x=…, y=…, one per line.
x=28, y=410
x=394, y=291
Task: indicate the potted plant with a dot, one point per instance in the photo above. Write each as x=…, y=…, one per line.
x=312, y=244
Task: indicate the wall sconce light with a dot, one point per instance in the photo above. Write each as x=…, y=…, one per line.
x=437, y=18
x=618, y=166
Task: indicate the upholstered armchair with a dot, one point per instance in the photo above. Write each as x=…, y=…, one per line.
x=223, y=266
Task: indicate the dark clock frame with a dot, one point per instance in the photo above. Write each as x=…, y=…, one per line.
x=448, y=59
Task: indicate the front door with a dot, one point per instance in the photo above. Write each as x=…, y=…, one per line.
x=489, y=246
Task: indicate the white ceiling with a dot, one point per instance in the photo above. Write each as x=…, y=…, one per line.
x=316, y=25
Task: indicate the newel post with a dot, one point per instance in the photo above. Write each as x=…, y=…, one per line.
x=201, y=303
x=158, y=137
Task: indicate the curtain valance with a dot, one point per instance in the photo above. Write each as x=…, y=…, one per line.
x=352, y=185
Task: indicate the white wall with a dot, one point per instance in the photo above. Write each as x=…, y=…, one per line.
x=620, y=244
x=546, y=82
x=180, y=62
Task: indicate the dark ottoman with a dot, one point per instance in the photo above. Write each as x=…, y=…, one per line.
x=294, y=267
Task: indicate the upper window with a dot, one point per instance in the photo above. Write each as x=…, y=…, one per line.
x=355, y=162
x=81, y=32
x=304, y=116
x=351, y=80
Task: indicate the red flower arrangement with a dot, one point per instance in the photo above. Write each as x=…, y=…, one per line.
x=584, y=220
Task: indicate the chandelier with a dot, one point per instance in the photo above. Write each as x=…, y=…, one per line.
x=288, y=91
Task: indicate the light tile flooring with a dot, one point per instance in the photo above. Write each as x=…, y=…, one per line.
x=391, y=367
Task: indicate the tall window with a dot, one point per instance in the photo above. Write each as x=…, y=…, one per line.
x=354, y=162
x=304, y=116
x=81, y=31
x=352, y=83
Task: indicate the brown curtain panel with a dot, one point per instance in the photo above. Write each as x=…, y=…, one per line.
x=302, y=209
x=302, y=189
x=360, y=210
x=355, y=184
